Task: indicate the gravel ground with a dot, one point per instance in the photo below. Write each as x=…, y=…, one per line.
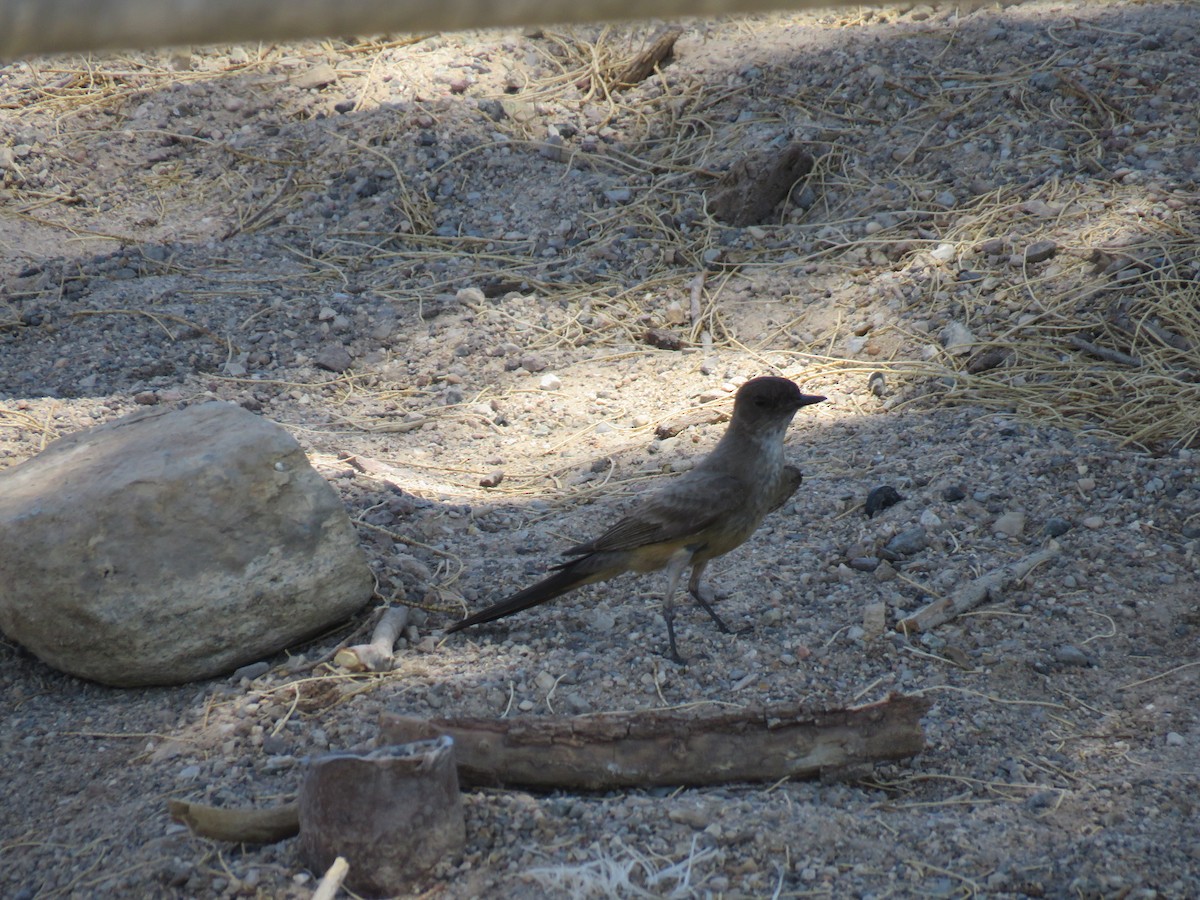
x=435, y=261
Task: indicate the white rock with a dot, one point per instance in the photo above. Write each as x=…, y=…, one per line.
x=173, y=545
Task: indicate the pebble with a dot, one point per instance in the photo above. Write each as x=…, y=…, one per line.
x=335, y=358
x=1040, y=251
x=1175, y=739
x=533, y=363
x=1070, y=655
x=954, y=493
x=907, y=542
x=1010, y=524
x=957, y=339
x=944, y=252
x=1093, y=522
x=250, y=671
x=930, y=520
x=1056, y=526
x=549, y=382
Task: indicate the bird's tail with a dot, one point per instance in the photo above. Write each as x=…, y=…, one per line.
x=567, y=578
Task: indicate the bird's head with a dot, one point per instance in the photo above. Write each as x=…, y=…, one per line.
x=770, y=397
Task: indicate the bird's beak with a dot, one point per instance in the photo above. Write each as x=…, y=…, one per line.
x=808, y=400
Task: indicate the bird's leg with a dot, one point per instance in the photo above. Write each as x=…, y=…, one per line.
x=675, y=566
x=705, y=597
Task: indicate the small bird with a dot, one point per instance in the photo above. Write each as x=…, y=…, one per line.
x=693, y=518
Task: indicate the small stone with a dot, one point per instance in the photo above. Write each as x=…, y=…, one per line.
x=885, y=572
x=1093, y=522
x=533, y=363
x=1040, y=251
x=319, y=76
x=1175, y=739
x=908, y=542
x=930, y=520
x=880, y=499
x=618, y=195
x=491, y=480
x=1010, y=524
x=250, y=672
x=954, y=493
x=549, y=382
x=1056, y=526
x=1070, y=655
x=470, y=296
x=944, y=252
x=864, y=563
x=334, y=358
x=957, y=339
x=874, y=619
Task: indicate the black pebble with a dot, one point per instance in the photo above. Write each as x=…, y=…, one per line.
x=880, y=499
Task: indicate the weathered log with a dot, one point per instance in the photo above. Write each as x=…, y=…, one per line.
x=688, y=746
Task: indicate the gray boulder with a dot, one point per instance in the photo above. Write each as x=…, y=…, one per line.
x=174, y=545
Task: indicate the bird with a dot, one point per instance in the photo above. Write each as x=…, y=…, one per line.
x=691, y=519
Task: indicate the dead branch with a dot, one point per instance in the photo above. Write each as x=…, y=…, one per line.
x=241, y=825
x=1104, y=353
x=377, y=655
x=643, y=65
x=331, y=883
x=671, y=747
x=974, y=593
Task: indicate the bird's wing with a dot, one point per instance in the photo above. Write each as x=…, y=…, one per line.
x=685, y=506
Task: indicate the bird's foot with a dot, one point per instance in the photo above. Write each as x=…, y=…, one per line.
x=673, y=655
x=703, y=595
x=672, y=651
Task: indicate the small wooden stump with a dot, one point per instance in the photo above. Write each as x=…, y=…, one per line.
x=393, y=813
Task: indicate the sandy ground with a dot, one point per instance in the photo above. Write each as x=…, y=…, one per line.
x=436, y=261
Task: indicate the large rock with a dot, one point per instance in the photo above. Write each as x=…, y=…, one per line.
x=173, y=545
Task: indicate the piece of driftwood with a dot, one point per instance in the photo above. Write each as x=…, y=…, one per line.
x=973, y=593
x=331, y=883
x=704, y=416
x=377, y=655
x=757, y=183
x=716, y=745
x=241, y=825
x=643, y=65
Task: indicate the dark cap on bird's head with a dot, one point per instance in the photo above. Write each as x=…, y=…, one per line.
x=771, y=395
